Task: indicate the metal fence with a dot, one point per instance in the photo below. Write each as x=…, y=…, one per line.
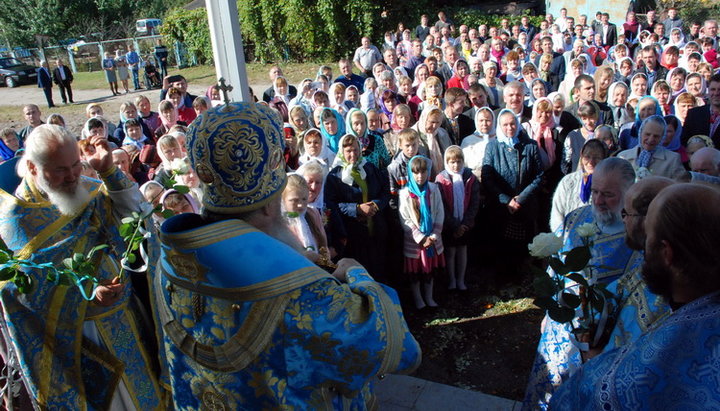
x=87, y=57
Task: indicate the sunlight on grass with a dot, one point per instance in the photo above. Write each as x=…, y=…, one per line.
x=496, y=309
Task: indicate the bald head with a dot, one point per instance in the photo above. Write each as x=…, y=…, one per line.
x=706, y=161
x=637, y=200
x=681, y=258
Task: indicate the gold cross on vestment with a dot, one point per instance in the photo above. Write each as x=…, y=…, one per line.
x=225, y=88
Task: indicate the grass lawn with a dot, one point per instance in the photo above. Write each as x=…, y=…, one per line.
x=257, y=74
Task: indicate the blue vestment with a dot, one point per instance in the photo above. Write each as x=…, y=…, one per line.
x=638, y=307
x=557, y=356
x=674, y=366
x=251, y=324
x=61, y=366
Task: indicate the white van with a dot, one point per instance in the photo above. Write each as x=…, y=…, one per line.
x=148, y=26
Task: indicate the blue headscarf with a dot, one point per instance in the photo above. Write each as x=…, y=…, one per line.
x=634, y=139
x=675, y=143
x=6, y=152
x=501, y=137
x=421, y=192
x=333, y=139
x=645, y=156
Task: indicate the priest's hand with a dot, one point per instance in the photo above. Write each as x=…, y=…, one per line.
x=109, y=292
x=99, y=156
x=342, y=267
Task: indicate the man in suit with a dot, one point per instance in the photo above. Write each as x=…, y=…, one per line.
x=608, y=31
x=45, y=82
x=705, y=120
x=557, y=67
x=62, y=76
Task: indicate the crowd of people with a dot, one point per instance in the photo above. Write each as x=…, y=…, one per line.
x=439, y=142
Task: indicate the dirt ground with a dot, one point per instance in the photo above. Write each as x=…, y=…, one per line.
x=482, y=339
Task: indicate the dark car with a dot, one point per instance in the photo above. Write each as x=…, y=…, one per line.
x=14, y=72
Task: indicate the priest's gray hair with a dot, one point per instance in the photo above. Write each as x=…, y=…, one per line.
x=619, y=165
x=41, y=143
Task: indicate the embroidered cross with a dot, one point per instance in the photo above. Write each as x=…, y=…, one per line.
x=225, y=88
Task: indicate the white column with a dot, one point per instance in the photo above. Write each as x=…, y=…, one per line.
x=227, y=47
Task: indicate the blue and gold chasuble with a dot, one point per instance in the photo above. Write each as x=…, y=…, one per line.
x=673, y=366
x=43, y=330
x=250, y=324
x=639, y=308
x=557, y=356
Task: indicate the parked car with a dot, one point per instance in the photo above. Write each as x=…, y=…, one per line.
x=148, y=26
x=14, y=72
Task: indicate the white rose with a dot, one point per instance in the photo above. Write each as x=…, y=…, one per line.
x=587, y=230
x=179, y=166
x=545, y=245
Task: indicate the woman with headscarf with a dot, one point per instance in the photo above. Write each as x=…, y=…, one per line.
x=357, y=194
x=631, y=26
x=650, y=157
x=179, y=203
x=213, y=93
x=672, y=138
x=387, y=101
x=573, y=191
x=459, y=78
x=9, y=144
x=676, y=38
x=373, y=146
x=617, y=98
x=336, y=95
x=538, y=89
x=695, y=85
x=492, y=84
x=473, y=146
x=512, y=172
x=168, y=118
x=675, y=78
x=624, y=69
x=433, y=137
x=646, y=107
x=313, y=147
x=332, y=127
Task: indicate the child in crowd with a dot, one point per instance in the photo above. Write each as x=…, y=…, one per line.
x=168, y=150
x=589, y=114
x=178, y=202
x=422, y=215
x=408, y=147
x=305, y=223
x=96, y=110
x=367, y=99
x=374, y=121
x=151, y=118
x=134, y=134
x=185, y=114
x=200, y=105
x=460, y=193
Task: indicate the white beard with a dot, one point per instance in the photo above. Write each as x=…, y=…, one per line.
x=68, y=204
x=606, y=218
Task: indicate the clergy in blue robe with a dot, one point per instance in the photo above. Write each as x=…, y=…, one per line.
x=558, y=356
x=674, y=365
x=72, y=353
x=248, y=322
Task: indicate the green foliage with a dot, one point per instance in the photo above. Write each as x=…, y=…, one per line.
x=474, y=18
x=305, y=29
x=191, y=28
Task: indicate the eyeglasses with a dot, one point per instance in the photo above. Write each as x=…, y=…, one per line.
x=624, y=214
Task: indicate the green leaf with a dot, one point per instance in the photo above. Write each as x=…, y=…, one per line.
x=96, y=249
x=167, y=213
x=561, y=314
x=7, y=273
x=544, y=286
x=68, y=263
x=23, y=283
x=578, y=278
x=127, y=220
x=78, y=258
x=572, y=300
x=126, y=230
x=4, y=257
x=135, y=215
x=545, y=302
x=558, y=266
x=131, y=258
x=181, y=188
x=577, y=258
